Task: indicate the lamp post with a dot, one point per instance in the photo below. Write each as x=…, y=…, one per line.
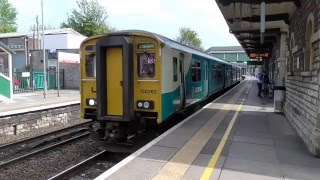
x=44, y=56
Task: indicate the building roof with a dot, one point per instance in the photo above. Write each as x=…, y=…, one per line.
x=6, y=48
x=46, y=32
x=225, y=48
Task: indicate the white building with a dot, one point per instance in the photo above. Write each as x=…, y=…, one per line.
x=62, y=39
x=23, y=43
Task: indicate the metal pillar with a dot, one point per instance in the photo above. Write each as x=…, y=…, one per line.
x=44, y=56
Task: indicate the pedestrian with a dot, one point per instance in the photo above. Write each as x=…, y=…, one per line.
x=259, y=83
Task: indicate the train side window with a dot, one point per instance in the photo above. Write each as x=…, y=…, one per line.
x=90, y=65
x=175, y=69
x=146, y=65
x=196, y=71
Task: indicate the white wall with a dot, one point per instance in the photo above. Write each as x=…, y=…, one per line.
x=56, y=41
x=74, y=41
x=62, y=41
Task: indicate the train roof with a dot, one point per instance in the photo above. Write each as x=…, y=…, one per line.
x=168, y=42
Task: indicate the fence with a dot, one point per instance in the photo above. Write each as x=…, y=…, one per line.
x=32, y=81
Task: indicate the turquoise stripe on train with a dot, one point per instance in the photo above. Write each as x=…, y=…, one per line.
x=168, y=106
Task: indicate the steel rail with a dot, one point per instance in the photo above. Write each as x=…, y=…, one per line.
x=74, y=169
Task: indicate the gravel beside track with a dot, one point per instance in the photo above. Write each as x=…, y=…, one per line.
x=52, y=162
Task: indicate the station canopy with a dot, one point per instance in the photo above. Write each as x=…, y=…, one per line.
x=257, y=24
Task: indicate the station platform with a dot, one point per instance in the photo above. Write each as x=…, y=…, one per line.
x=34, y=101
x=237, y=136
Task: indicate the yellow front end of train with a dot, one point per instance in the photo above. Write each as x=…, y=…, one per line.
x=121, y=83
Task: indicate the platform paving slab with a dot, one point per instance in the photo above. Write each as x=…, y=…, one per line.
x=159, y=153
x=232, y=174
x=196, y=170
x=138, y=168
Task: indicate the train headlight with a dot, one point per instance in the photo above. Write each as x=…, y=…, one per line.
x=145, y=105
x=91, y=102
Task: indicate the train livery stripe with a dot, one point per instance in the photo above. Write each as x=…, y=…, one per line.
x=170, y=103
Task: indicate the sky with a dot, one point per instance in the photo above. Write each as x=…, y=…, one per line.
x=164, y=17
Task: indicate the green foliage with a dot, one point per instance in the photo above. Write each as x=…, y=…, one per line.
x=89, y=19
x=8, y=17
x=189, y=38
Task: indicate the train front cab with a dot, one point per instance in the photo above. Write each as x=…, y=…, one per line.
x=128, y=84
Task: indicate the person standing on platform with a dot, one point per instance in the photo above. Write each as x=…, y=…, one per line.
x=259, y=83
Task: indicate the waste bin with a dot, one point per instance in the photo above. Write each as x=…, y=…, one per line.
x=279, y=94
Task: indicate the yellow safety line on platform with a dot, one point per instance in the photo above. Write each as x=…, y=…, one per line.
x=210, y=167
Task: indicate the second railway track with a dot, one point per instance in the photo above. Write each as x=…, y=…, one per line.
x=18, y=151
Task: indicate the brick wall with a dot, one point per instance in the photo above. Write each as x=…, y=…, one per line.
x=302, y=105
x=26, y=122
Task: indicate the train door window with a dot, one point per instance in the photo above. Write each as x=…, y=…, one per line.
x=206, y=72
x=219, y=72
x=175, y=69
x=214, y=72
x=196, y=71
x=90, y=65
x=229, y=72
x=146, y=65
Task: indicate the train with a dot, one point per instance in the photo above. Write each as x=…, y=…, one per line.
x=134, y=79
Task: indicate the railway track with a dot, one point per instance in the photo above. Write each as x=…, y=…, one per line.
x=23, y=141
x=27, y=148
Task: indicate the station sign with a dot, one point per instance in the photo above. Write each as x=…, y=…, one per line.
x=146, y=46
x=25, y=74
x=258, y=55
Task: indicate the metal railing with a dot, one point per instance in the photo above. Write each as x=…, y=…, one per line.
x=33, y=81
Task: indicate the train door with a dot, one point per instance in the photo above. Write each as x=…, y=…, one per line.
x=182, y=82
x=114, y=81
x=206, y=82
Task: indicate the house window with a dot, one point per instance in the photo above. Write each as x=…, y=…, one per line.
x=196, y=71
x=175, y=69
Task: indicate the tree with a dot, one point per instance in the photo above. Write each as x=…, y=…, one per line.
x=8, y=17
x=89, y=19
x=189, y=38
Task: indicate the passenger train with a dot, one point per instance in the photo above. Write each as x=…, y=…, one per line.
x=132, y=79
